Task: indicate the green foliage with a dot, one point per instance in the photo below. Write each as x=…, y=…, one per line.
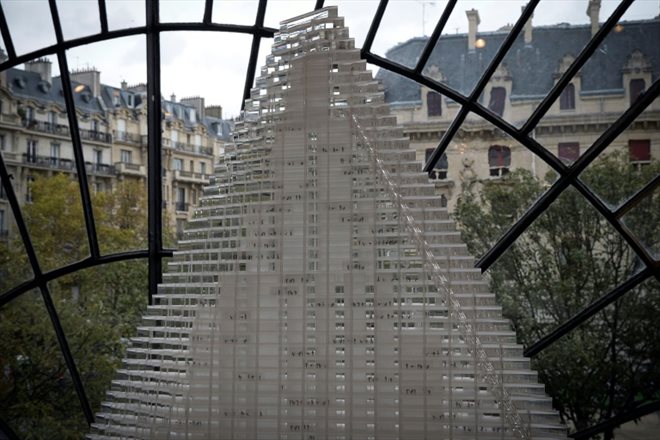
x=99, y=307
x=568, y=258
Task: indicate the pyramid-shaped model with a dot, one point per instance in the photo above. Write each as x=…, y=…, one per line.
x=321, y=291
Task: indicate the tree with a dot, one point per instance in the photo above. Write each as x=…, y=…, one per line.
x=99, y=308
x=565, y=260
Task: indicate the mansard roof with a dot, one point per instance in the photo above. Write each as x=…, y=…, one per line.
x=532, y=66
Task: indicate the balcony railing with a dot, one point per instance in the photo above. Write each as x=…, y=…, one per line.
x=63, y=130
x=99, y=168
x=182, y=146
x=129, y=168
x=130, y=138
x=189, y=176
x=181, y=206
x=55, y=163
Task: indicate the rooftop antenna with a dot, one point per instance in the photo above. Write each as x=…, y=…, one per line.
x=424, y=2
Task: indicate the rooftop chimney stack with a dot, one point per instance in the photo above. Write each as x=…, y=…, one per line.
x=214, y=111
x=90, y=77
x=42, y=66
x=197, y=102
x=473, y=25
x=124, y=85
x=173, y=97
x=593, y=11
x=528, y=28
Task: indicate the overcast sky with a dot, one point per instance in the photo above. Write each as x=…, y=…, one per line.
x=213, y=65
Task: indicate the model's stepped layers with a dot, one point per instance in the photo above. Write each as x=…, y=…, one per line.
x=299, y=306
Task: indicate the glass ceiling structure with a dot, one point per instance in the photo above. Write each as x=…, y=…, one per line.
x=208, y=21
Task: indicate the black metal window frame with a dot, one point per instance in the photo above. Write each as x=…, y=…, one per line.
x=156, y=252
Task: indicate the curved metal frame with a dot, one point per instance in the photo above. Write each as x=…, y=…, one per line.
x=156, y=252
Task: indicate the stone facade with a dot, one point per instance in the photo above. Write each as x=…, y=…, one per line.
x=35, y=138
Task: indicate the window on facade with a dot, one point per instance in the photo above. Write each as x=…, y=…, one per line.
x=28, y=189
x=440, y=170
x=3, y=228
x=54, y=153
x=121, y=129
x=202, y=167
x=497, y=98
x=177, y=164
x=637, y=87
x=567, y=98
x=31, y=152
x=433, y=103
x=126, y=156
x=181, y=199
x=2, y=142
x=568, y=152
x=499, y=160
x=639, y=151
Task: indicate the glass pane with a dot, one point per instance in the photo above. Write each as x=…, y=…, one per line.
x=629, y=162
x=14, y=265
x=235, y=11
x=461, y=59
x=278, y=10
x=486, y=168
x=37, y=398
x=78, y=18
x=405, y=21
x=357, y=17
x=644, y=221
x=23, y=18
x=605, y=360
x=114, y=139
x=179, y=11
x=45, y=179
x=125, y=13
x=100, y=309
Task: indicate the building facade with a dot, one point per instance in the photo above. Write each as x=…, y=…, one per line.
x=621, y=69
x=321, y=291
x=35, y=138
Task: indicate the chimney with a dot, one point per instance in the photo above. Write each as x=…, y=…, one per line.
x=593, y=11
x=173, y=97
x=473, y=24
x=528, y=29
x=89, y=77
x=197, y=102
x=42, y=66
x=214, y=111
x=124, y=85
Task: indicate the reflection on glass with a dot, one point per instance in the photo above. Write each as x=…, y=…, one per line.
x=180, y=11
x=23, y=18
x=78, y=18
x=14, y=265
x=112, y=118
x=226, y=12
x=644, y=221
x=37, y=398
x=99, y=309
x=629, y=162
x=604, y=360
x=125, y=13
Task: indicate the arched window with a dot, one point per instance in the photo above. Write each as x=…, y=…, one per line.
x=499, y=160
x=433, y=103
x=637, y=87
x=440, y=170
x=639, y=151
x=567, y=98
x=497, y=98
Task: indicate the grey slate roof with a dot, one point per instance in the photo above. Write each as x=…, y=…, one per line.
x=531, y=66
x=29, y=85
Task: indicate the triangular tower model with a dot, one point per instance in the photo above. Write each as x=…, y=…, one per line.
x=321, y=291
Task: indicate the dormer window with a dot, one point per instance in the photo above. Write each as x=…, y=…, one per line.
x=193, y=116
x=567, y=98
x=115, y=99
x=637, y=87
x=433, y=104
x=497, y=98
x=130, y=99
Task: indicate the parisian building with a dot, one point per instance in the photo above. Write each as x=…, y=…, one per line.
x=35, y=139
x=623, y=66
x=321, y=290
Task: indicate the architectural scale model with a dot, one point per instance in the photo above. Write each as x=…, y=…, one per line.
x=321, y=291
